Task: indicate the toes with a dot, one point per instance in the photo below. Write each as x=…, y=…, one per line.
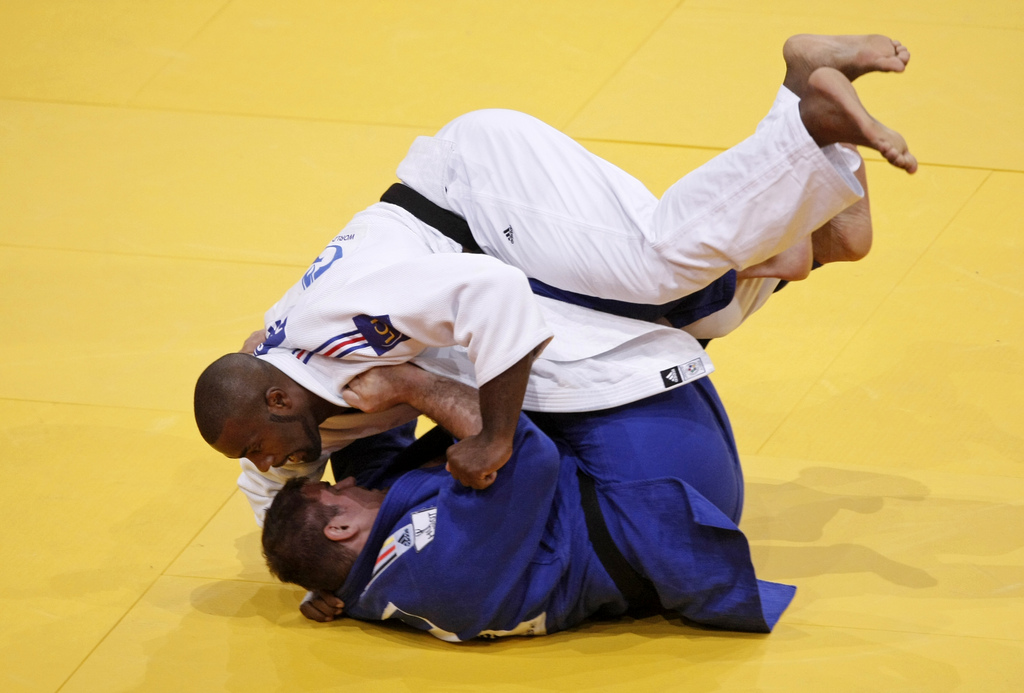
x=901, y=51
x=894, y=64
x=902, y=159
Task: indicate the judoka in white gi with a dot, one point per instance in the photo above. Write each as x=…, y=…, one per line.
x=389, y=288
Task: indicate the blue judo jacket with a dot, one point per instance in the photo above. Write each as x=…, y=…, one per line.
x=515, y=559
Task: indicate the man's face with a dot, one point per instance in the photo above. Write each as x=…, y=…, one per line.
x=355, y=510
x=271, y=440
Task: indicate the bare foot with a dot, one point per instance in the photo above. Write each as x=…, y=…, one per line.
x=792, y=264
x=832, y=113
x=851, y=55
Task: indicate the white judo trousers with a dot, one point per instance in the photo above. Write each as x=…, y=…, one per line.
x=539, y=201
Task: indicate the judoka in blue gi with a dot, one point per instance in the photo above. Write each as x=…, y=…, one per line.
x=620, y=510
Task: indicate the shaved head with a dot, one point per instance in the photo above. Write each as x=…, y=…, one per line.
x=232, y=387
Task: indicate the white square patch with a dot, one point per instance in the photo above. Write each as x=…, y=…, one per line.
x=424, y=523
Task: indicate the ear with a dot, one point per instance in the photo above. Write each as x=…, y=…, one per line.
x=277, y=399
x=339, y=530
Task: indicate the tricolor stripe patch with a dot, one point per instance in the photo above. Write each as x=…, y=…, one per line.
x=393, y=547
x=337, y=346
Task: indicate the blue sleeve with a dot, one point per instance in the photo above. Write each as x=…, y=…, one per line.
x=366, y=458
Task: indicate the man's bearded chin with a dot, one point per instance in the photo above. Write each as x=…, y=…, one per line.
x=313, y=435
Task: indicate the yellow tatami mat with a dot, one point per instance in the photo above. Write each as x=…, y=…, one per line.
x=167, y=170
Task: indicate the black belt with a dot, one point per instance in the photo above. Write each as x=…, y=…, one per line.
x=639, y=592
x=680, y=311
x=448, y=223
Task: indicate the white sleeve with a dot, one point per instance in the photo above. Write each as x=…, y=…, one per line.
x=448, y=299
x=261, y=488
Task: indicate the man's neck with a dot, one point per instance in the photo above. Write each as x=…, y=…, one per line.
x=323, y=409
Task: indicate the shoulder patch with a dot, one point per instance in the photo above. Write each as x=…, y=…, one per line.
x=424, y=524
x=393, y=547
x=379, y=333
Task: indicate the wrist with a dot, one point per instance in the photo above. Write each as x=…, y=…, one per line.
x=497, y=441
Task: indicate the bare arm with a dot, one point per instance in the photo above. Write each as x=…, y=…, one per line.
x=484, y=421
x=475, y=461
x=453, y=405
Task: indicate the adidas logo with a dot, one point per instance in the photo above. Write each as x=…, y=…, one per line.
x=671, y=377
x=508, y=235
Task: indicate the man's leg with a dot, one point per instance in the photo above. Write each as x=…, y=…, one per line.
x=683, y=433
x=847, y=236
x=541, y=202
x=830, y=113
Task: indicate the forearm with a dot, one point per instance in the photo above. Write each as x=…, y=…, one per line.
x=475, y=461
x=501, y=400
x=456, y=407
x=491, y=412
